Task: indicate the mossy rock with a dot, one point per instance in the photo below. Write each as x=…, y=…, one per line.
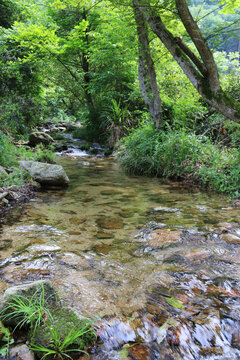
x=85, y=146
x=27, y=291
x=63, y=321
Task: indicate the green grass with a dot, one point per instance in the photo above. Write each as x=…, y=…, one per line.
x=52, y=335
x=61, y=345
x=26, y=312
x=181, y=155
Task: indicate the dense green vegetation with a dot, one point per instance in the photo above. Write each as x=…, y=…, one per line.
x=181, y=155
x=78, y=60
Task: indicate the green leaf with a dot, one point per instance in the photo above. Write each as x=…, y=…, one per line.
x=175, y=303
x=162, y=332
x=123, y=353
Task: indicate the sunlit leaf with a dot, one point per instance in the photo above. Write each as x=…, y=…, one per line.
x=175, y=303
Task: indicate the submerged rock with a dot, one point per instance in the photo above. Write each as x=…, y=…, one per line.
x=45, y=174
x=164, y=237
x=231, y=238
x=110, y=222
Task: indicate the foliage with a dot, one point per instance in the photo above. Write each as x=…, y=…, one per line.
x=44, y=154
x=7, y=151
x=6, y=339
x=26, y=312
x=181, y=155
x=60, y=337
x=54, y=334
x=16, y=177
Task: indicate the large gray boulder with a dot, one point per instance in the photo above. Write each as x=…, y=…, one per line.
x=45, y=174
x=40, y=137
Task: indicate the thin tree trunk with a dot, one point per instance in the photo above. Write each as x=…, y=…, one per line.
x=202, y=74
x=146, y=72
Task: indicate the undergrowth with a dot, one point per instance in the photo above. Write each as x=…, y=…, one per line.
x=180, y=155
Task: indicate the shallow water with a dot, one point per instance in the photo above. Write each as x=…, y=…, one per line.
x=160, y=261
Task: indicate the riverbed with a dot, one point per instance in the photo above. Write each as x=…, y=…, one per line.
x=159, y=262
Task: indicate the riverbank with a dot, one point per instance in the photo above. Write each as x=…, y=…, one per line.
x=14, y=195
x=181, y=156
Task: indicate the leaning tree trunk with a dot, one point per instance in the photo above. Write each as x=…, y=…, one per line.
x=202, y=72
x=146, y=72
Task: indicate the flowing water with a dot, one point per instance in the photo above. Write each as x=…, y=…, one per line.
x=158, y=261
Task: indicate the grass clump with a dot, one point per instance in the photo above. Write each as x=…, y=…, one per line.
x=57, y=334
x=58, y=137
x=61, y=335
x=26, y=311
x=180, y=155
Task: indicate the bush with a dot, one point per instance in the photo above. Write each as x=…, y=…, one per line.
x=180, y=155
x=7, y=151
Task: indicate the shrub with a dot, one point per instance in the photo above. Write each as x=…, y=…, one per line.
x=181, y=155
x=7, y=151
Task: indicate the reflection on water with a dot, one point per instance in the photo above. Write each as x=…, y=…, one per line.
x=133, y=249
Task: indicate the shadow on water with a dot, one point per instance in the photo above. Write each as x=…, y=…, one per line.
x=159, y=261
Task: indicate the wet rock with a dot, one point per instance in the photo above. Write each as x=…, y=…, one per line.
x=5, y=244
x=127, y=213
x=236, y=338
x=104, y=235
x=220, y=291
x=231, y=238
x=115, y=333
x=110, y=222
x=140, y=352
x=77, y=220
x=73, y=260
x=102, y=248
x=45, y=174
x=21, y=352
x=174, y=258
x=157, y=309
x=165, y=209
x=73, y=232
x=207, y=351
x=110, y=192
x=164, y=237
x=43, y=249
x=197, y=256
x=39, y=137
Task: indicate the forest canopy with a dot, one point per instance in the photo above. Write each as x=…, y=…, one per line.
x=113, y=65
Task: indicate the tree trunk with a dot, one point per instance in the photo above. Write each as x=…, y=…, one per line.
x=85, y=67
x=202, y=73
x=146, y=72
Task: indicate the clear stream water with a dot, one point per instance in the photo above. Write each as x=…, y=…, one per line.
x=160, y=261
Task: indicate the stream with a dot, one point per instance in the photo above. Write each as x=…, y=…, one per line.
x=159, y=262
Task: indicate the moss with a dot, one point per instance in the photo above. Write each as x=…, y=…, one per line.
x=206, y=90
x=63, y=320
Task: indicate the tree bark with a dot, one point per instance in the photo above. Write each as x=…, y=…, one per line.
x=85, y=67
x=146, y=71
x=202, y=73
